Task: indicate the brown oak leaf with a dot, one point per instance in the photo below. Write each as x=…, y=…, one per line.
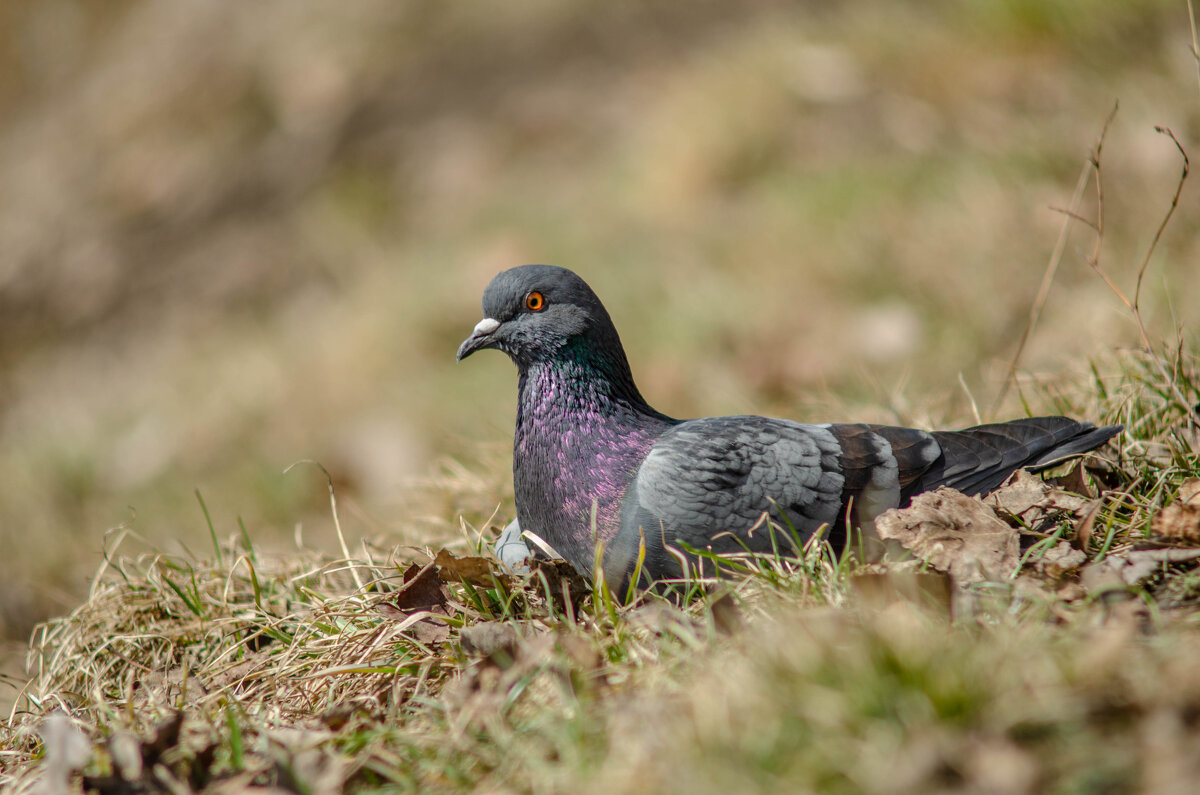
x=954, y=533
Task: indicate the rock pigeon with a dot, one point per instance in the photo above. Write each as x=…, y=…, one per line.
x=597, y=472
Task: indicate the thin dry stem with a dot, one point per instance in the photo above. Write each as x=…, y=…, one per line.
x=337, y=524
x=1039, y=303
x=1097, y=165
x=1193, y=413
x=1074, y=215
x=1093, y=260
x=1167, y=217
x=1195, y=40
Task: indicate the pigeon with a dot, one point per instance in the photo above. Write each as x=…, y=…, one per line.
x=607, y=481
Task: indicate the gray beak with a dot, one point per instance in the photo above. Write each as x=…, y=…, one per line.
x=481, y=337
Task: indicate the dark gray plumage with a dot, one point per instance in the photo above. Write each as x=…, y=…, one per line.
x=595, y=466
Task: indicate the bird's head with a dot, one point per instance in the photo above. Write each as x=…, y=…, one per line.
x=533, y=311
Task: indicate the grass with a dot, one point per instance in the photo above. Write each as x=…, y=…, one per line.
x=314, y=673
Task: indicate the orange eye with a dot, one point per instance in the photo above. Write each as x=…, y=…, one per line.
x=535, y=302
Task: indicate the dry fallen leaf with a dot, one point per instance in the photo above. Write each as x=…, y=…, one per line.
x=1029, y=499
x=1106, y=575
x=1178, y=522
x=1131, y=568
x=1060, y=560
x=1176, y=555
x=954, y=533
x=473, y=570
x=559, y=579
x=1075, y=482
x=422, y=591
x=430, y=632
x=1085, y=524
x=1019, y=493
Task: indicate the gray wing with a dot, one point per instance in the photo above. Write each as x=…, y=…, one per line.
x=707, y=483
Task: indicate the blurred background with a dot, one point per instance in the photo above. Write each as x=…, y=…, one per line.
x=234, y=236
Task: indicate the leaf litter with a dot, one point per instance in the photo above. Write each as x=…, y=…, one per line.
x=955, y=534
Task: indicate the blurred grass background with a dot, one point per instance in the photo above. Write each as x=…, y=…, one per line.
x=233, y=235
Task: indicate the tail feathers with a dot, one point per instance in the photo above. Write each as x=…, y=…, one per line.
x=977, y=460
x=1093, y=438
